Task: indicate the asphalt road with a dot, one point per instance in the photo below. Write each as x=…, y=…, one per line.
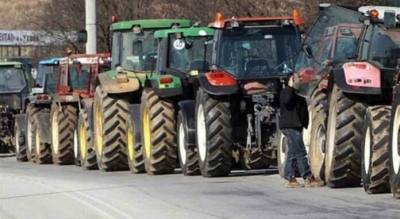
x=33, y=191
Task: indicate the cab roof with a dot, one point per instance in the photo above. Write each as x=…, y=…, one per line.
x=151, y=23
x=10, y=63
x=53, y=61
x=193, y=31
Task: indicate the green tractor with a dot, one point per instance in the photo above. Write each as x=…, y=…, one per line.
x=133, y=58
x=171, y=90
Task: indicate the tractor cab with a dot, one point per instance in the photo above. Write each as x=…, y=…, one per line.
x=14, y=85
x=134, y=45
x=47, y=75
x=255, y=48
x=75, y=73
x=321, y=49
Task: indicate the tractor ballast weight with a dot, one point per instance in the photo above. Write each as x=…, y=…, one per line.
x=251, y=57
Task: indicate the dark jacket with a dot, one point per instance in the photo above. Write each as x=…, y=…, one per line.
x=294, y=111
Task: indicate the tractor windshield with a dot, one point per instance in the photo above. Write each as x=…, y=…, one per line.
x=329, y=18
x=187, y=54
x=260, y=52
x=138, y=51
x=50, y=74
x=385, y=48
x=79, y=76
x=12, y=80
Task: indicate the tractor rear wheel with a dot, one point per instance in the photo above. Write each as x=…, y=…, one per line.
x=318, y=142
x=282, y=149
x=20, y=145
x=41, y=151
x=343, y=145
x=188, y=157
x=135, y=150
x=110, y=116
x=158, y=133
x=62, y=125
x=214, y=134
x=394, y=147
x=31, y=111
x=375, y=148
x=87, y=154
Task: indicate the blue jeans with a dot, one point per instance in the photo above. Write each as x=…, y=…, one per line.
x=296, y=154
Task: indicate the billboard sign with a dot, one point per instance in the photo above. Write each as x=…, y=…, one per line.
x=35, y=38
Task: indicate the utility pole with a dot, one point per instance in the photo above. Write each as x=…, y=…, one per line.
x=91, y=22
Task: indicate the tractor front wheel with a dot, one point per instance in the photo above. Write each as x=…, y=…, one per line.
x=87, y=154
x=318, y=142
x=135, y=150
x=42, y=151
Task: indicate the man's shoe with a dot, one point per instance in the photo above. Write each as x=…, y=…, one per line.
x=313, y=182
x=292, y=183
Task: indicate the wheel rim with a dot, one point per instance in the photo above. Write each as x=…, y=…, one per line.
x=321, y=138
x=99, y=129
x=54, y=130
x=146, y=132
x=201, y=133
x=282, y=154
x=331, y=140
x=131, y=149
x=367, y=150
x=17, y=141
x=82, y=140
x=182, y=149
x=29, y=135
x=37, y=143
x=76, y=148
x=395, y=140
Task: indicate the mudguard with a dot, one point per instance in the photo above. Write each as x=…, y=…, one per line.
x=109, y=82
x=170, y=90
x=352, y=78
x=187, y=108
x=216, y=90
x=45, y=126
x=20, y=119
x=134, y=110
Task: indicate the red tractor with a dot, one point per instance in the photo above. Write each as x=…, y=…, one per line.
x=74, y=87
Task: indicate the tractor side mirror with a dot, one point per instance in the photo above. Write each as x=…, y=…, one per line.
x=307, y=50
x=82, y=36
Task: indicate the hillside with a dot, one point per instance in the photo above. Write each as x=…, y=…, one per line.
x=15, y=14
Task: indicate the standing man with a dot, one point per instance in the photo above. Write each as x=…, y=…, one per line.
x=293, y=118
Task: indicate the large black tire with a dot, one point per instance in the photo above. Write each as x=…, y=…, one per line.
x=41, y=151
x=62, y=125
x=31, y=111
x=343, y=145
x=135, y=150
x=20, y=145
x=394, y=147
x=87, y=154
x=111, y=116
x=188, y=156
x=213, y=134
x=158, y=133
x=375, y=150
x=315, y=99
x=318, y=142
